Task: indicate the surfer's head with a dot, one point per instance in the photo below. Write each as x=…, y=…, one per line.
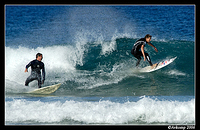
x=39, y=56
x=148, y=37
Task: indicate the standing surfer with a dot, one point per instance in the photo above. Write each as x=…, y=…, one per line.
x=140, y=44
x=36, y=66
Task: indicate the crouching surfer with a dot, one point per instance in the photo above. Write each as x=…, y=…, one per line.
x=139, y=45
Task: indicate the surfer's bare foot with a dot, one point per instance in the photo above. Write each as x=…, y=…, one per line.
x=154, y=65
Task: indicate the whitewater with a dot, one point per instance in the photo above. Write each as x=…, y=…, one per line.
x=88, y=50
x=105, y=111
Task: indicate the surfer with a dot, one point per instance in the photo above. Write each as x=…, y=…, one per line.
x=36, y=66
x=140, y=44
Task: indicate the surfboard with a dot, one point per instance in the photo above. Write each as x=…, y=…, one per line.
x=158, y=66
x=45, y=90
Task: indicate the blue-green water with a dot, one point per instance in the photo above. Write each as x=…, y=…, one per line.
x=87, y=49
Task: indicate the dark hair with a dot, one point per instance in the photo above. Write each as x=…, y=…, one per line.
x=38, y=54
x=147, y=36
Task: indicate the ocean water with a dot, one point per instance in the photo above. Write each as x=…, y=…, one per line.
x=87, y=48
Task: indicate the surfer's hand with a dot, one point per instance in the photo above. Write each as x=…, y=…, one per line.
x=156, y=49
x=26, y=70
x=144, y=58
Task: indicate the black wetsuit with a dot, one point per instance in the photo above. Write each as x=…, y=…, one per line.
x=137, y=53
x=36, y=66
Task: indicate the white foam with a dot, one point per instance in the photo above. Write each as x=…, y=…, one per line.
x=12, y=86
x=109, y=47
x=56, y=58
x=176, y=72
x=145, y=110
x=107, y=75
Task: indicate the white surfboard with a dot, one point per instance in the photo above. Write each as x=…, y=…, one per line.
x=159, y=65
x=46, y=90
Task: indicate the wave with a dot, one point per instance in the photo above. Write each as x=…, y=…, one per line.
x=90, y=64
x=145, y=110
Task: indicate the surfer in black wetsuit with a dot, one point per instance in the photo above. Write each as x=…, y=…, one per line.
x=140, y=44
x=36, y=66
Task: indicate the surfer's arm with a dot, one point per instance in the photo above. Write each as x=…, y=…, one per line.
x=142, y=49
x=153, y=46
x=26, y=70
x=27, y=66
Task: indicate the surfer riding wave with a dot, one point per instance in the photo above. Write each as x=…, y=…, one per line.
x=36, y=66
x=140, y=44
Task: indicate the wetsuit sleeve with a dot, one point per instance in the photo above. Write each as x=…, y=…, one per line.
x=29, y=64
x=43, y=72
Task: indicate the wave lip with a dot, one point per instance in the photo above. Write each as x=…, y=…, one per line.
x=144, y=111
